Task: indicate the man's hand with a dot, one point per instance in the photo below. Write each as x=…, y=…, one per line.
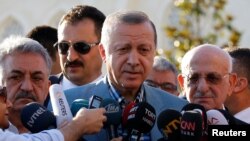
x=91, y=120
x=86, y=121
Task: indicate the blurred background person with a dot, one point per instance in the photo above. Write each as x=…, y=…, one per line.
x=4, y=105
x=47, y=36
x=238, y=103
x=163, y=75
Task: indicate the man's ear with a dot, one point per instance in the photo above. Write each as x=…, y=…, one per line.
x=232, y=82
x=240, y=85
x=102, y=52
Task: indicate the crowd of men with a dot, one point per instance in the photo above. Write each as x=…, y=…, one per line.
x=138, y=84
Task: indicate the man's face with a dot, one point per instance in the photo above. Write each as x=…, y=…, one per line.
x=207, y=82
x=129, y=56
x=26, y=79
x=78, y=67
x=4, y=105
x=166, y=80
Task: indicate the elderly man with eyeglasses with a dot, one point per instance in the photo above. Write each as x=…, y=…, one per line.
x=206, y=77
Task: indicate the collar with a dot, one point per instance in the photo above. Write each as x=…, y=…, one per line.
x=118, y=97
x=67, y=84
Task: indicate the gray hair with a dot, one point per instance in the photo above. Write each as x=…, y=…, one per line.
x=162, y=64
x=127, y=17
x=17, y=44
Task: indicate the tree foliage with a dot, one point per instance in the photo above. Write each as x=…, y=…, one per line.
x=196, y=22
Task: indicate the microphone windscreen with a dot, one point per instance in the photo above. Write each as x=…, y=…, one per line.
x=141, y=117
x=36, y=118
x=113, y=112
x=59, y=104
x=77, y=105
x=231, y=119
x=199, y=108
x=191, y=126
x=168, y=123
x=215, y=117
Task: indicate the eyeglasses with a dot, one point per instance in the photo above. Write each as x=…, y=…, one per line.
x=211, y=78
x=3, y=93
x=165, y=86
x=81, y=47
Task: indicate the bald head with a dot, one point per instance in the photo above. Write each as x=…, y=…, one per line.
x=205, y=54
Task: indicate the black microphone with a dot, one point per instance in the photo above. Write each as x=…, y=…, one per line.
x=77, y=105
x=199, y=108
x=168, y=123
x=114, y=116
x=191, y=126
x=36, y=118
x=141, y=119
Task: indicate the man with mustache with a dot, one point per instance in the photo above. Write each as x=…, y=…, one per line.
x=206, y=76
x=24, y=69
x=65, y=133
x=79, y=33
x=128, y=46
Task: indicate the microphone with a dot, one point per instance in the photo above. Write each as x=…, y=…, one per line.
x=215, y=117
x=59, y=104
x=77, y=105
x=36, y=118
x=201, y=110
x=94, y=102
x=168, y=123
x=141, y=119
x=231, y=120
x=126, y=113
x=191, y=126
x=114, y=115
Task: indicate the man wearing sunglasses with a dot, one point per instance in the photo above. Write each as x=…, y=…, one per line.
x=79, y=33
x=163, y=76
x=206, y=76
x=24, y=69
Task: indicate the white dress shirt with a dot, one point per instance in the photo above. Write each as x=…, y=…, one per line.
x=244, y=115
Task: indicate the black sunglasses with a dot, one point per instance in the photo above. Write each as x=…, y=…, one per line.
x=81, y=47
x=3, y=93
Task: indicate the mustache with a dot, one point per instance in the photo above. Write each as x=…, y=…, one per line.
x=27, y=95
x=73, y=63
x=200, y=95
